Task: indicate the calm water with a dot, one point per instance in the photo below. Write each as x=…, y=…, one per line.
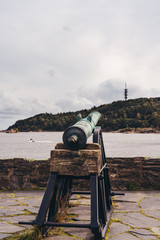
x=116, y=144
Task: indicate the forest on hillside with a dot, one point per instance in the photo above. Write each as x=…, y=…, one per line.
x=130, y=114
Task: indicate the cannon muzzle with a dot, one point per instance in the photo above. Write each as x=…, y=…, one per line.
x=75, y=137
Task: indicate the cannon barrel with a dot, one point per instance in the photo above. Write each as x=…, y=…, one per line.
x=75, y=137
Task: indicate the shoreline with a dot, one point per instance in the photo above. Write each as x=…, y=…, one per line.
x=124, y=130
x=137, y=130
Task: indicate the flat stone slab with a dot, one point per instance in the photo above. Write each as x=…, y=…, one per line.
x=156, y=230
x=143, y=234
x=6, y=195
x=36, y=202
x=139, y=220
x=118, y=228
x=73, y=202
x=150, y=193
x=85, y=196
x=150, y=203
x=9, y=211
x=83, y=217
x=84, y=201
x=124, y=236
x=83, y=212
x=126, y=207
x=21, y=208
x=79, y=209
x=20, y=218
x=55, y=237
x=9, y=228
x=153, y=213
x=129, y=196
x=74, y=197
x=8, y=202
x=81, y=196
x=29, y=194
x=31, y=209
x=117, y=216
x=2, y=236
x=83, y=233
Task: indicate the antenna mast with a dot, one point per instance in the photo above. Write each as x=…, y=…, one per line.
x=126, y=92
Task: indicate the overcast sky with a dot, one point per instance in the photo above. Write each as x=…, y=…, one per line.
x=67, y=55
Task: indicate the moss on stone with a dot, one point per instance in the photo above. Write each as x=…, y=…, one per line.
x=133, y=186
x=33, y=234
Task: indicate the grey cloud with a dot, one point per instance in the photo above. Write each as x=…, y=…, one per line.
x=7, y=103
x=13, y=107
x=110, y=90
x=73, y=103
x=66, y=105
x=51, y=72
x=113, y=90
x=107, y=92
x=84, y=97
x=66, y=28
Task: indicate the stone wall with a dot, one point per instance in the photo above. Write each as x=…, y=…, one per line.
x=125, y=173
x=134, y=173
x=19, y=173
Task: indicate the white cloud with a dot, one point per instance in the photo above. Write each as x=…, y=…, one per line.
x=59, y=55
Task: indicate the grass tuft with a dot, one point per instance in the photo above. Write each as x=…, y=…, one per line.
x=33, y=234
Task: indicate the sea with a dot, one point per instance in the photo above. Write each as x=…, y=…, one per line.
x=38, y=145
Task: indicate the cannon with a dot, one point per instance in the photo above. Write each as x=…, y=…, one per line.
x=75, y=159
x=75, y=137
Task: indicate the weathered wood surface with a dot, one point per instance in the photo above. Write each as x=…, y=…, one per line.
x=90, y=146
x=77, y=163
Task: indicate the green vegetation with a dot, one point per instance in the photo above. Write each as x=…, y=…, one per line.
x=133, y=187
x=33, y=234
x=141, y=113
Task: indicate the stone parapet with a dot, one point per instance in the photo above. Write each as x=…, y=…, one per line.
x=20, y=173
x=137, y=173
x=134, y=173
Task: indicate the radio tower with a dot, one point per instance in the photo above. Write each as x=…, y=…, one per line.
x=125, y=92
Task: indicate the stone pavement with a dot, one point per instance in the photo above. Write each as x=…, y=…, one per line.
x=135, y=216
